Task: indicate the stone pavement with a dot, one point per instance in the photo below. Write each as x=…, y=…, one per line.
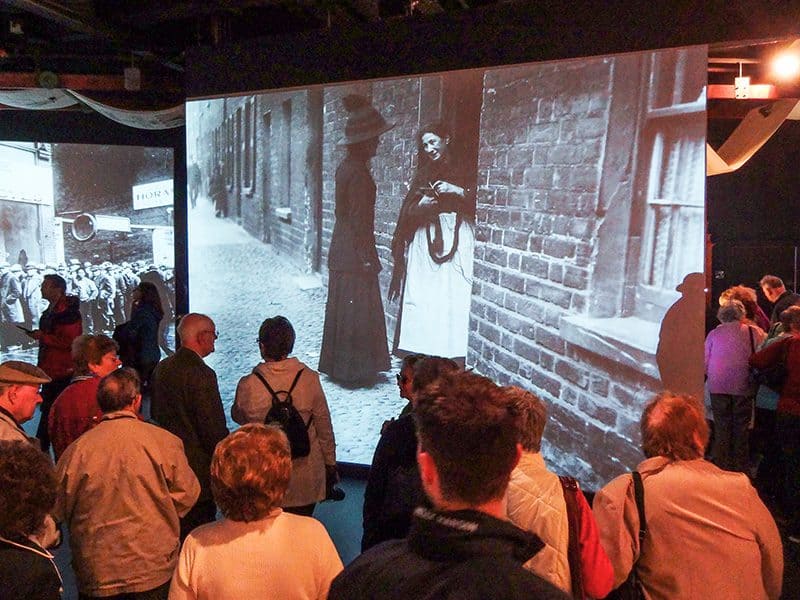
x=239, y=281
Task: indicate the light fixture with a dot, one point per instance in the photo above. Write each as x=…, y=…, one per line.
x=786, y=65
x=741, y=86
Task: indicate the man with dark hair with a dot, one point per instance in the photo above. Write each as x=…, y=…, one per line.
x=468, y=431
x=708, y=533
x=186, y=402
x=394, y=488
x=775, y=291
x=122, y=487
x=59, y=325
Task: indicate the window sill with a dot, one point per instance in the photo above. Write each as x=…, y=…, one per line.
x=629, y=341
x=284, y=214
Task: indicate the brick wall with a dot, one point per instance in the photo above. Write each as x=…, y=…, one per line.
x=543, y=137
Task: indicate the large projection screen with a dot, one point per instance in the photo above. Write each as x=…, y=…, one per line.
x=569, y=261
x=101, y=216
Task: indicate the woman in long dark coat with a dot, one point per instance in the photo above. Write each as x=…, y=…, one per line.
x=354, y=345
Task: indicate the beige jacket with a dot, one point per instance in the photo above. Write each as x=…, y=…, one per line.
x=709, y=535
x=11, y=431
x=536, y=504
x=253, y=402
x=122, y=487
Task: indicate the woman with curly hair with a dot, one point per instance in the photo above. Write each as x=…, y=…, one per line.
x=256, y=550
x=27, y=495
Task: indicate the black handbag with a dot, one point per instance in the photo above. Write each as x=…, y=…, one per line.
x=631, y=588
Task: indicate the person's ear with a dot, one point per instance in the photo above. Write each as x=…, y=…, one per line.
x=519, y=455
x=137, y=403
x=430, y=476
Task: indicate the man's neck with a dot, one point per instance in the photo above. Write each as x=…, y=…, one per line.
x=194, y=348
x=494, y=508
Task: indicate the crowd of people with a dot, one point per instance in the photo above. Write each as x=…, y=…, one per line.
x=459, y=502
x=105, y=292
x=753, y=381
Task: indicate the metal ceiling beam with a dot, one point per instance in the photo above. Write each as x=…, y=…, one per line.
x=82, y=22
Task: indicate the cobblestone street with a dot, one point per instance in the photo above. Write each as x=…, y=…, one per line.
x=240, y=281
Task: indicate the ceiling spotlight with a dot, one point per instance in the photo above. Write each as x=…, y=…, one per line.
x=786, y=65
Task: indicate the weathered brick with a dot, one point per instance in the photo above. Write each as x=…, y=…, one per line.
x=544, y=381
x=584, y=178
x=575, y=278
x=598, y=384
x=508, y=362
x=537, y=177
x=556, y=273
x=514, y=260
x=558, y=296
x=512, y=282
x=559, y=248
x=534, y=265
x=546, y=361
x=486, y=272
x=551, y=341
x=597, y=411
x=543, y=132
x=496, y=256
x=526, y=351
x=628, y=452
x=516, y=239
x=572, y=373
x=513, y=323
x=489, y=332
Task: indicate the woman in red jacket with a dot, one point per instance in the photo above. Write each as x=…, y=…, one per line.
x=787, y=425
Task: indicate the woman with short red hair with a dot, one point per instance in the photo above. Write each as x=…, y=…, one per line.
x=256, y=550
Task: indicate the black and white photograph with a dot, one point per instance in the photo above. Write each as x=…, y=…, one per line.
x=99, y=217
x=542, y=224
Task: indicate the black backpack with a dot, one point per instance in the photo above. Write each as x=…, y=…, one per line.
x=287, y=417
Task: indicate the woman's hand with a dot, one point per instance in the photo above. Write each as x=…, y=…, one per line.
x=445, y=187
x=427, y=201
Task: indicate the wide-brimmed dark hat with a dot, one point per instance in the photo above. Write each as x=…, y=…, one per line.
x=22, y=373
x=364, y=122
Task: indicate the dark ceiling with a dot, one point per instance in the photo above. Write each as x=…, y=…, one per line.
x=96, y=40
x=103, y=37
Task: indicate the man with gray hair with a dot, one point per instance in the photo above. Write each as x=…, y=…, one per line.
x=122, y=487
x=19, y=397
x=708, y=535
x=186, y=402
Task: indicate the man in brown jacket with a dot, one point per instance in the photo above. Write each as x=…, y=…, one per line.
x=122, y=486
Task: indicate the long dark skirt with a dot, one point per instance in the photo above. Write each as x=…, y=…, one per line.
x=354, y=347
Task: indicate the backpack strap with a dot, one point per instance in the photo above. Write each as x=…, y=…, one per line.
x=638, y=492
x=570, y=488
x=294, y=383
x=268, y=386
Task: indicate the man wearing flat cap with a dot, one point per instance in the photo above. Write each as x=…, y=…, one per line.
x=19, y=396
